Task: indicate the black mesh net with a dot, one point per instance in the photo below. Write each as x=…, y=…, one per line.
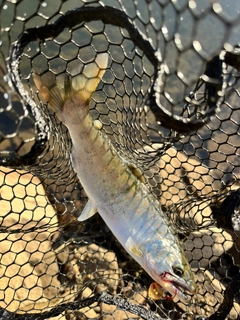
x=169, y=103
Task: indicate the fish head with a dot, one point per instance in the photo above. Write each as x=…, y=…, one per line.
x=169, y=267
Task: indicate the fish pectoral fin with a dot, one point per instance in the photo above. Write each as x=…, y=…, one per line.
x=88, y=211
x=133, y=247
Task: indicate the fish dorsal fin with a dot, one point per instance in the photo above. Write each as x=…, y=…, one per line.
x=82, y=85
x=133, y=247
x=136, y=171
x=88, y=211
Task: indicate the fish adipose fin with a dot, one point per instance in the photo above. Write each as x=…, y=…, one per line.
x=133, y=247
x=82, y=85
x=88, y=211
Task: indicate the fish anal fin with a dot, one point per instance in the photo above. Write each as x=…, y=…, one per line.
x=88, y=211
x=133, y=247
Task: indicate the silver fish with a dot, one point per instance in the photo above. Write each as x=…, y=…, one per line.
x=114, y=189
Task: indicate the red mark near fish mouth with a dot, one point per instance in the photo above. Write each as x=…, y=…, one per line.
x=165, y=277
x=173, y=286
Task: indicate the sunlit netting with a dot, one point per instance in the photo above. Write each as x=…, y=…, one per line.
x=169, y=102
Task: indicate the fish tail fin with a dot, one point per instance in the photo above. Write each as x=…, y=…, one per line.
x=86, y=83
x=50, y=90
x=81, y=86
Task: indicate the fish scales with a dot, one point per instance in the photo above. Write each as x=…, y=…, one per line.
x=132, y=213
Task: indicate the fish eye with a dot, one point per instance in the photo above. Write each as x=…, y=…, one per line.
x=178, y=270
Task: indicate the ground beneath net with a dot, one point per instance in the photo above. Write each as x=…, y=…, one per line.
x=35, y=277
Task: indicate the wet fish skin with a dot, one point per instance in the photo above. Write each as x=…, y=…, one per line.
x=132, y=213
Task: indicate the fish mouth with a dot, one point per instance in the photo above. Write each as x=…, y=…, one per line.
x=177, y=286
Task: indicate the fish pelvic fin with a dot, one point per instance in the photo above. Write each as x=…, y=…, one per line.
x=134, y=248
x=88, y=211
x=81, y=86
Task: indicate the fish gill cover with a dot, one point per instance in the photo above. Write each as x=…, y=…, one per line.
x=169, y=103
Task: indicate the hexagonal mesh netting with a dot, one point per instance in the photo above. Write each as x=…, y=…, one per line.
x=168, y=102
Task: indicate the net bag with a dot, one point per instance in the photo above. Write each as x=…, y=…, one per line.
x=169, y=103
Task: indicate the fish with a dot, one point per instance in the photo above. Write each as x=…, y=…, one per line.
x=115, y=188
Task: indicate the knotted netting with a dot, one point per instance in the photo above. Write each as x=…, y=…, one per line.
x=169, y=102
